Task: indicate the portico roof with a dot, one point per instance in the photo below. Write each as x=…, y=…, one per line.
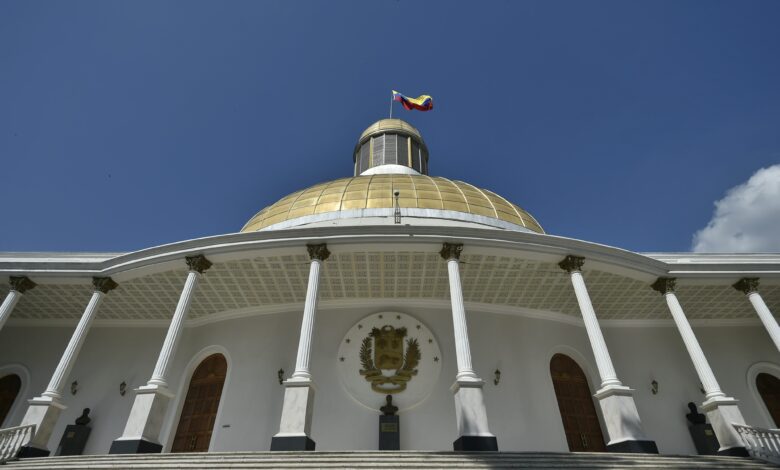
x=502, y=272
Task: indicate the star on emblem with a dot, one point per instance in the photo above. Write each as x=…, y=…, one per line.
x=347, y=340
x=380, y=316
x=418, y=327
x=341, y=359
x=436, y=359
x=398, y=317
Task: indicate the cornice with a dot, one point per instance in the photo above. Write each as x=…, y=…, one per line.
x=689, y=265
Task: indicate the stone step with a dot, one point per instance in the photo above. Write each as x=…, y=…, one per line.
x=409, y=459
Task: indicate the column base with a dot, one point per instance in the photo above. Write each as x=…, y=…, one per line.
x=734, y=452
x=722, y=412
x=476, y=443
x=43, y=412
x=295, y=424
x=145, y=422
x=27, y=452
x=624, y=428
x=633, y=447
x=471, y=416
x=134, y=446
x=292, y=443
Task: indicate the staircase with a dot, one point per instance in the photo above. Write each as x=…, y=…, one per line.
x=410, y=459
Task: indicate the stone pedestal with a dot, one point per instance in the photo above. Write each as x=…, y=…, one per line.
x=389, y=433
x=471, y=418
x=74, y=439
x=722, y=412
x=295, y=426
x=142, y=431
x=43, y=413
x=704, y=439
x=624, y=428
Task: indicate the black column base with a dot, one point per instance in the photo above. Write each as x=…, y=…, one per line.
x=476, y=443
x=291, y=443
x=634, y=447
x=734, y=452
x=27, y=452
x=135, y=446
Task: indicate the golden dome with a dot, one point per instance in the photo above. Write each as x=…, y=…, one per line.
x=376, y=192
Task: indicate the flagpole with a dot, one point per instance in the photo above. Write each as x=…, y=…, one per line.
x=391, y=106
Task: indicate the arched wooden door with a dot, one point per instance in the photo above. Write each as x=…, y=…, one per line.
x=580, y=421
x=9, y=389
x=769, y=388
x=200, y=407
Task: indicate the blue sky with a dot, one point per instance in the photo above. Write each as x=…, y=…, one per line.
x=125, y=125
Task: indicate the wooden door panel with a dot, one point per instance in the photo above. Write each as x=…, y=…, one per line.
x=769, y=388
x=9, y=389
x=578, y=413
x=199, y=412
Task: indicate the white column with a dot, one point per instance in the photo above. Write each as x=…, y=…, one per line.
x=19, y=284
x=142, y=430
x=295, y=424
x=309, y=311
x=161, y=369
x=749, y=287
x=470, y=411
x=573, y=265
x=460, y=329
x=624, y=427
x=45, y=409
x=720, y=409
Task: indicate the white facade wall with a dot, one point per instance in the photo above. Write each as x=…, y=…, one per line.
x=522, y=409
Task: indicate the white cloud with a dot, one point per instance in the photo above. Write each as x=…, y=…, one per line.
x=747, y=219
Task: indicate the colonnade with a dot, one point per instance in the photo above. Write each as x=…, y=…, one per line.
x=624, y=427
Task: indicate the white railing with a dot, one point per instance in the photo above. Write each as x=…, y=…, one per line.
x=761, y=443
x=12, y=439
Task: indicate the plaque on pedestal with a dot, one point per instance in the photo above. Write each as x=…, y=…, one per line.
x=702, y=434
x=389, y=436
x=75, y=437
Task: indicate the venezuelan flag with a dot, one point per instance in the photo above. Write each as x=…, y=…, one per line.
x=421, y=103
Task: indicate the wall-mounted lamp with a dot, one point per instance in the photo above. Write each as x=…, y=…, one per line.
x=654, y=387
x=280, y=376
x=497, y=378
x=74, y=387
x=123, y=388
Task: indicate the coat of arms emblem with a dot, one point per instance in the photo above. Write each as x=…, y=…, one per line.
x=385, y=364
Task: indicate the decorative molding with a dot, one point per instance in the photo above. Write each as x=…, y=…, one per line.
x=319, y=252
x=637, y=265
x=747, y=285
x=104, y=284
x=408, y=306
x=572, y=263
x=198, y=263
x=21, y=284
x=664, y=285
x=451, y=251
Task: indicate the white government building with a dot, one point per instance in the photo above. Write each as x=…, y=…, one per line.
x=487, y=332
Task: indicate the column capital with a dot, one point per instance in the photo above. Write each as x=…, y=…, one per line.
x=664, y=285
x=746, y=285
x=21, y=284
x=319, y=252
x=104, y=284
x=572, y=263
x=197, y=263
x=451, y=251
